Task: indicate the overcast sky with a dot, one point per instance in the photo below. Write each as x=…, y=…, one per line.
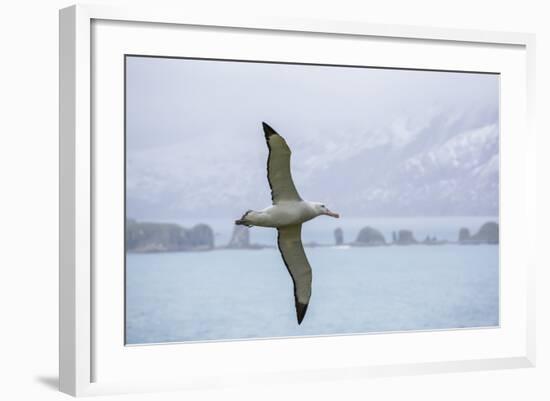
x=365, y=141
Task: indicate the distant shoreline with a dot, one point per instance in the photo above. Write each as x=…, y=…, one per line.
x=307, y=246
x=155, y=237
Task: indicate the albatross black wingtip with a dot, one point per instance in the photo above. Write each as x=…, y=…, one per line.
x=301, y=311
x=268, y=130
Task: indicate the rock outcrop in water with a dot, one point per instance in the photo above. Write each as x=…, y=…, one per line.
x=405, y=237
x=433, y=241
x=240, y=239
x=369, y=236
x=463, y=234
x=201, y=236
x=338, y=236
x=487, y=234
x=167, y=237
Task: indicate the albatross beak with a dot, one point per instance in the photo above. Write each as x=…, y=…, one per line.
x=332, y=214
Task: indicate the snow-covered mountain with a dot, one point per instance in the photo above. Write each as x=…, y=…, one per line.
x=458, y=176
x=367, y=142
x=438, y=168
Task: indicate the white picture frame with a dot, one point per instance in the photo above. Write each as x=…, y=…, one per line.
x=83, y=344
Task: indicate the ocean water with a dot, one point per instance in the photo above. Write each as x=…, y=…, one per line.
x=246, y=294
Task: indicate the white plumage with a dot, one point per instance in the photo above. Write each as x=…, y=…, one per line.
x=287, y=214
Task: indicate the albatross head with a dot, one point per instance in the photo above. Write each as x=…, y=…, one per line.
x=320, y=209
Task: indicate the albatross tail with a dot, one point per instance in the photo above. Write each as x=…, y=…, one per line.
x=242, y=221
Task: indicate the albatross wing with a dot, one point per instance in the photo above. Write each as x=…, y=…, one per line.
x=292, y=251
x=278, y=168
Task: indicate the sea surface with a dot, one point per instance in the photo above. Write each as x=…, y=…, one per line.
x=246, y=294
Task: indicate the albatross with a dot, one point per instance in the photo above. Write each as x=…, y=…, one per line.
x=287, y=214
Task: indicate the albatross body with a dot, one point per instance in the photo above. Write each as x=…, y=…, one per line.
x=283, y=214
x=287, y=214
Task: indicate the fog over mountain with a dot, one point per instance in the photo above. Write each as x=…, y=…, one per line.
x=367, y=142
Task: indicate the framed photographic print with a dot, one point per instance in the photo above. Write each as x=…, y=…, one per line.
x=274, y=200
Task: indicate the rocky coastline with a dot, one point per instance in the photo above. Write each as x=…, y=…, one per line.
x=149, y=237
x=488, y=233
